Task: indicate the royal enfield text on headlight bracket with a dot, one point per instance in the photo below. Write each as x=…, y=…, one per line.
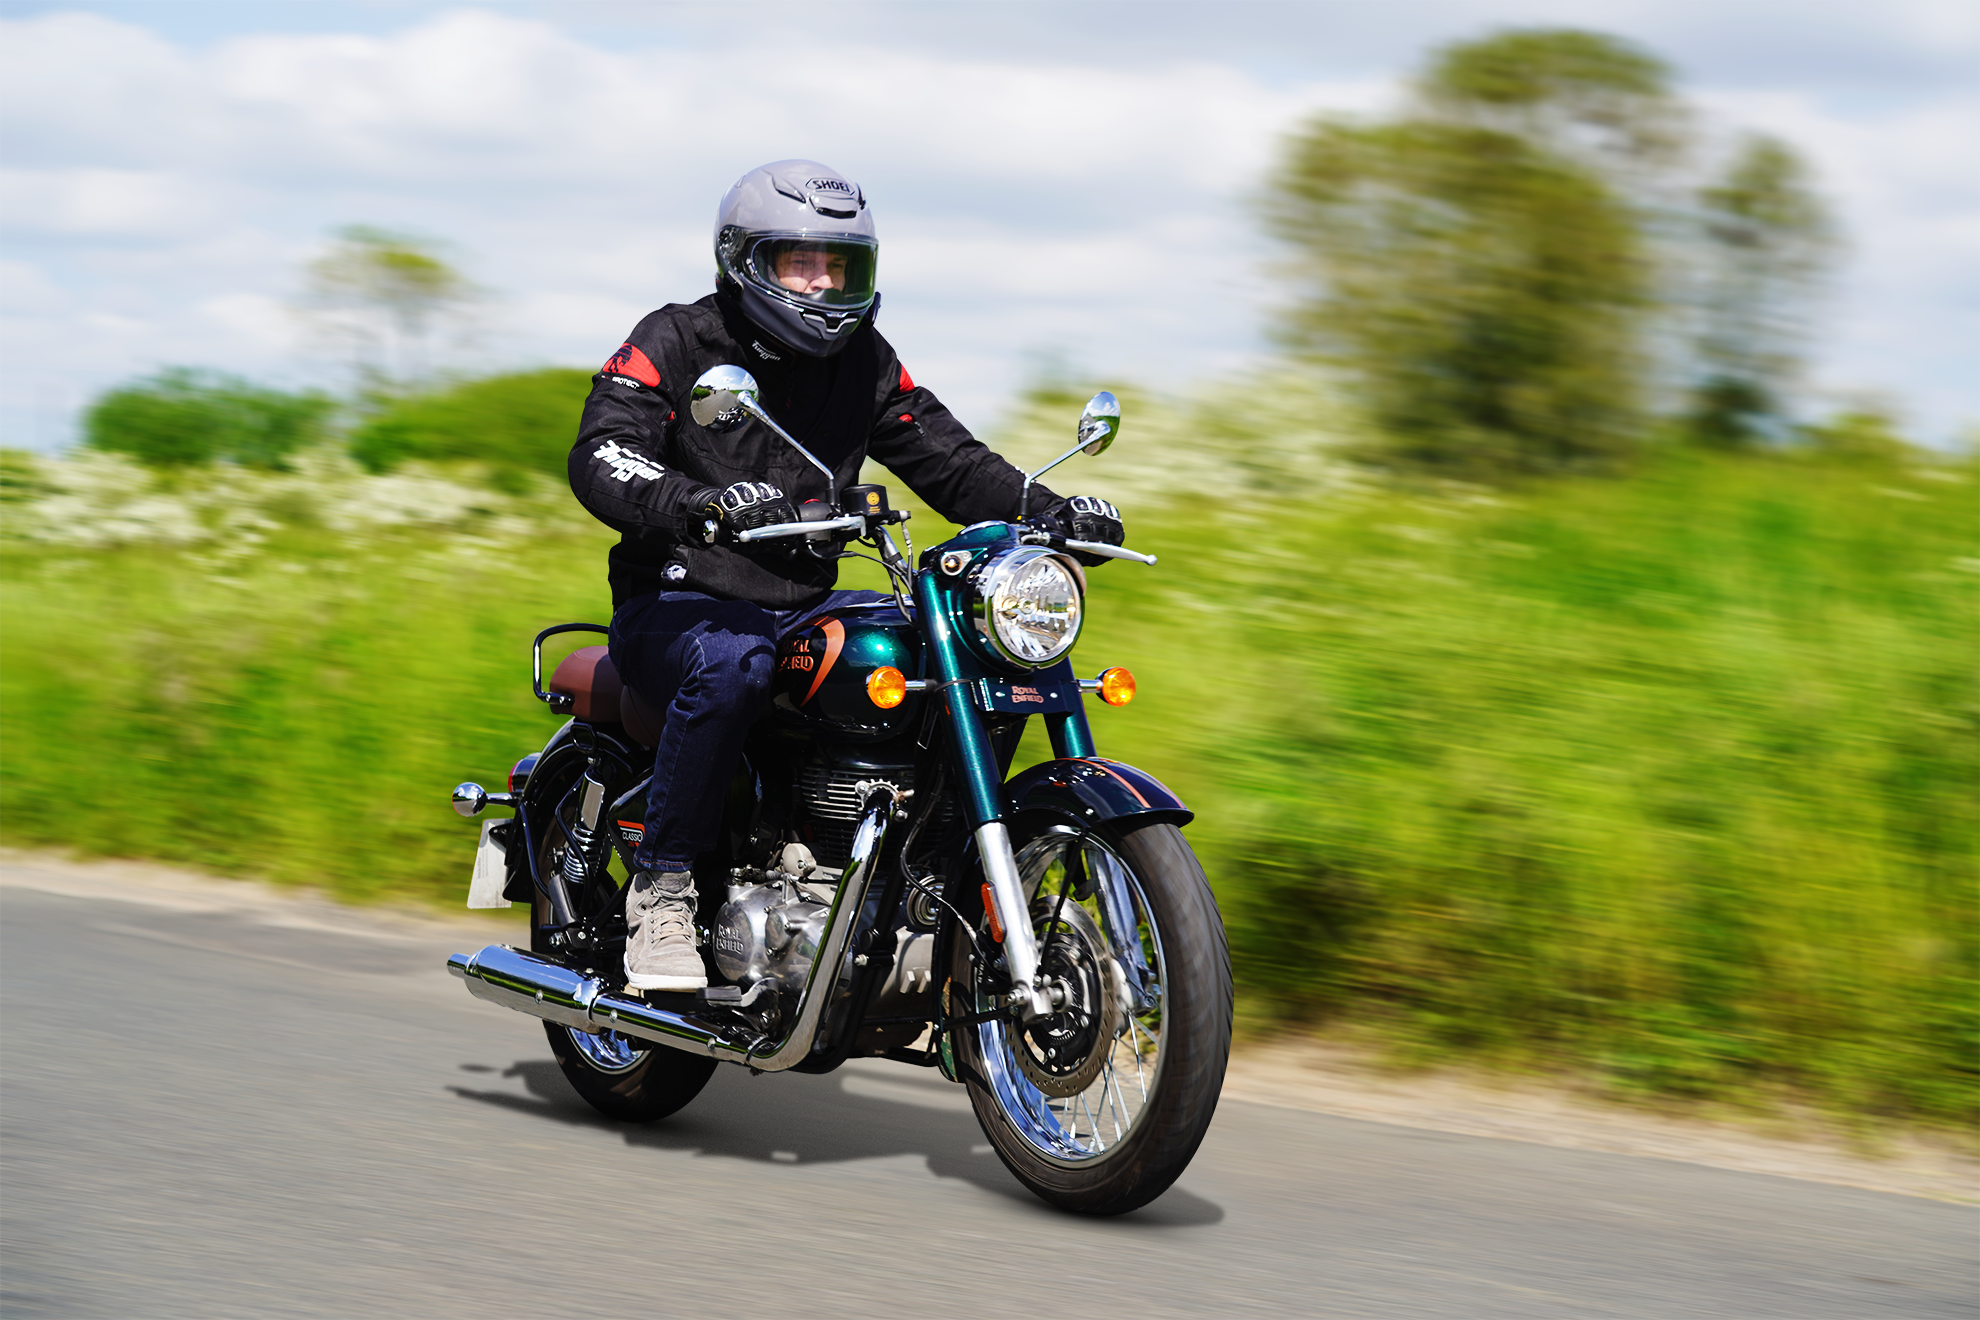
x=1027, y=605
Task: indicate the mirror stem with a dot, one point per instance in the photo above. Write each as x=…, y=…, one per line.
x=755, y=409
x=1024, y=496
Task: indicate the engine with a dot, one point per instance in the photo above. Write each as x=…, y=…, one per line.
x=829, y=797
x=770, y=931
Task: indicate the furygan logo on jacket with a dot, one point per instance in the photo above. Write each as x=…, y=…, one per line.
x=625, y=464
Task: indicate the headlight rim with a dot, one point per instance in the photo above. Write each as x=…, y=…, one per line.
x=978, y=604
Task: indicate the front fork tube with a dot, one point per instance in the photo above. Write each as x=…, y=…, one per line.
x=983, y=796
x=1070, y=736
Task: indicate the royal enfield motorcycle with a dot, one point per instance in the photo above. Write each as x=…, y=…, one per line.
x=885, y=885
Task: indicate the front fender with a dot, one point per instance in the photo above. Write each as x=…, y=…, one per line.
x=1091, y=790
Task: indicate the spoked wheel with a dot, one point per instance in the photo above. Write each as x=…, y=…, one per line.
x=1099, y=1107
x=619, y=1076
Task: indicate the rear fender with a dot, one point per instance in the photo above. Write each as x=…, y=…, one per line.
x=1092, y=790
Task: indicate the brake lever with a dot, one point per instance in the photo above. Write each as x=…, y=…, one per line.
x=1037, y=536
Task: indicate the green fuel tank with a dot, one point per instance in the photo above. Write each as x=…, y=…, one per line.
x=823, y=667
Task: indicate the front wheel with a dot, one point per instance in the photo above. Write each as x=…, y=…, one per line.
x=1100, y=1107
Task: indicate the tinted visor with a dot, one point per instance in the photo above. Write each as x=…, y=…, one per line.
x=831, y=272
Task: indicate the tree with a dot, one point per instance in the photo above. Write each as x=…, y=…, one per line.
x=382, y=293
x=181, y=418
x=1767, y=239
x=1479, y=270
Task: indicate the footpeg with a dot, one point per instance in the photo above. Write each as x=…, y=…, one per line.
x=731, y=996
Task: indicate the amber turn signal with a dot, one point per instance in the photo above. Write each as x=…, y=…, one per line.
x=1116, y=686
x=887, y=687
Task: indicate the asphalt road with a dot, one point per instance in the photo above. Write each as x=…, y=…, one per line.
x=241, y=1115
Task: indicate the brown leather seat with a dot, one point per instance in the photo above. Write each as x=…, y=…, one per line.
x=598, y=696
x=641, y=717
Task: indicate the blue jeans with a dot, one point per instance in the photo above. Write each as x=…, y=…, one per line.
x=708, y=662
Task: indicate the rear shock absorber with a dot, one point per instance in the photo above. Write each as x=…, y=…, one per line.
x=580, y=859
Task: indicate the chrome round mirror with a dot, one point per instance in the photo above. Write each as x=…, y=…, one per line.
x=1099, y=423
x=470, y=798
x=716, y=400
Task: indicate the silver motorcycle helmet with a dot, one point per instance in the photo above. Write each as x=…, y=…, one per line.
x=796, y=239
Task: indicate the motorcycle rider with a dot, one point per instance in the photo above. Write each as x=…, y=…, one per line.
x=696, y=615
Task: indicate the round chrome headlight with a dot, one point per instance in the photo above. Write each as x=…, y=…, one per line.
x=1027, y=606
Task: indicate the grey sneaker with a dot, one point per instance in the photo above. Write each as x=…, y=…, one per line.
x=660, y=952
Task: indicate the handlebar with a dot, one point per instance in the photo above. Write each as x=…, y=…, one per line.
x=852, y=522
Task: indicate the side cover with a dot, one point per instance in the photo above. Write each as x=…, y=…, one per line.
x=1090, y=789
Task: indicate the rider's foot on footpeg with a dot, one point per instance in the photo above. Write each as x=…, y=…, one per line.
x=660, y=948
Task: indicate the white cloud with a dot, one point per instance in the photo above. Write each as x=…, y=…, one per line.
x=1021, y=203
x=25, y=291
x=127, y=203
x=1026, y=199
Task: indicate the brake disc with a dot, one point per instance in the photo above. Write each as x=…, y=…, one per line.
x=1062, y=1053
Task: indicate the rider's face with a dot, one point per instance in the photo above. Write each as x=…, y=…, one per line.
x=811, y=270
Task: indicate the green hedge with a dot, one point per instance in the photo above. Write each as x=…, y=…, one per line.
x=1671, y=781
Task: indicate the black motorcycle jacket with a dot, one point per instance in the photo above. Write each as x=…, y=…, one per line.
x=639, y=455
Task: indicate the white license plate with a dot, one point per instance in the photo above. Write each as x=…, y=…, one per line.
x=491, y=871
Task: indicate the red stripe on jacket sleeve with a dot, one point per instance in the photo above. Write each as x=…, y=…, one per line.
x=629, y=361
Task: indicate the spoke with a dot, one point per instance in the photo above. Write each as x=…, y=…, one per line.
x=1140, y=1076
x=1118, y=1105
x=1093, y=1121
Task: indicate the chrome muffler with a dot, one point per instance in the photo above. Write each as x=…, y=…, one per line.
x=541, y=988
x=555, y=993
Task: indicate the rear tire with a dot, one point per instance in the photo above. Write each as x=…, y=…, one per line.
x=653, y=1082
x=1126, y=1138
x=621, y=1077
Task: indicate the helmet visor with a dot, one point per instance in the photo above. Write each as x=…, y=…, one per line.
x=829, y=272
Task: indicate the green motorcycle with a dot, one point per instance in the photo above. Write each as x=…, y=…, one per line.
x=885, y=885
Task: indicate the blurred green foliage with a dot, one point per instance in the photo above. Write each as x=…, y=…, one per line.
x=1669, y=780
x=381, y=294
x=1767, y=241
x=1506, y=272
x=1674, y=779
x=183, y=417
x=513, y=426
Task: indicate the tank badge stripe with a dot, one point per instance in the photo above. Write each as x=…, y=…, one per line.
x=835, y=640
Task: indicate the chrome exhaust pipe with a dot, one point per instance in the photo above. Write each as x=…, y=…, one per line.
x=555, y=993
x=541, y=988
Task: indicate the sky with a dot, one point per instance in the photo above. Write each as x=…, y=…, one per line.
x=1058, y=187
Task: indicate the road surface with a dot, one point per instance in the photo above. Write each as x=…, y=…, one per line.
x=254, y=1114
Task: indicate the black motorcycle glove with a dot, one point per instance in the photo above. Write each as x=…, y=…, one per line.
x=744, y=505
x=1083, y=518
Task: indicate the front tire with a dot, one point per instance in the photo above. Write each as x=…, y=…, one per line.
x=1105, y=1139
x=619, y=1076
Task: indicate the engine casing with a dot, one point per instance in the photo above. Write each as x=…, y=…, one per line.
x=768, y=932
